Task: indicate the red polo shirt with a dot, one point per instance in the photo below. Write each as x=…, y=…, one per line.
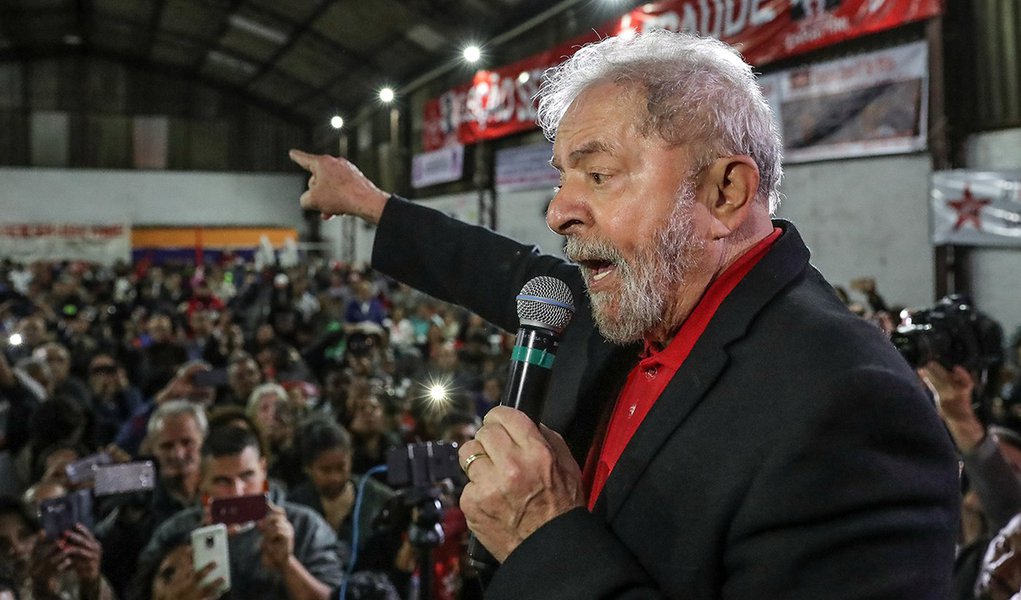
x=656, y=368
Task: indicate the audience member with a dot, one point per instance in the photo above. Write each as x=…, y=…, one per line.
x=295, y=547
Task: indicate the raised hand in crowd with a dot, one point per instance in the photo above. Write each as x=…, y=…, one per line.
x=177, y=579
x=953, y=390
x=184, y=386
x=277, y=539
x=77, y=551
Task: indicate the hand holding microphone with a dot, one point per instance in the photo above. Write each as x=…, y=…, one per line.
x=522, y=474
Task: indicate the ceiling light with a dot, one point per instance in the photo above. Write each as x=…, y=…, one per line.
x=336, y=122
x=231, y=62
x=257, y=29
x=386, y=95
x=472, y=53
x=523, y=77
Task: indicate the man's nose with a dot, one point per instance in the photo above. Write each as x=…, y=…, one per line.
x=567, y=211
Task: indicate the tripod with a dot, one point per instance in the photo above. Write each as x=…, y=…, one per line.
x=425, y=533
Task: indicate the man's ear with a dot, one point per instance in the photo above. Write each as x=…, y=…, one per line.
x=735, y=182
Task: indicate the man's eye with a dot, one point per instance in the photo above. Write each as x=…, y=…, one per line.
x=597, y=178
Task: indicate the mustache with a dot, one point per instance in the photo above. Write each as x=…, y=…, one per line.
x=578, y=250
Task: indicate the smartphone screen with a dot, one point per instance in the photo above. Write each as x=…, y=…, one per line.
x=209, y=544
x=238, y=510
x=84, y=469
x=124, y=478
x=56, y=516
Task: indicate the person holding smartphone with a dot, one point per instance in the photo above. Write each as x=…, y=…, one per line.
x=66, y=567
x=290, y=552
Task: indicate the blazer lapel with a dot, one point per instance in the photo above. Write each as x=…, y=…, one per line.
x=785, y=262
x=588, y=375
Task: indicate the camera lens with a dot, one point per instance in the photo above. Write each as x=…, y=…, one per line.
x=210, y=541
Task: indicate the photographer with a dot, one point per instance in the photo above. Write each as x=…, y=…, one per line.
x=957, y=352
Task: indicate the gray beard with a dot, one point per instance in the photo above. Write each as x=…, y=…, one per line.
x=648, y=283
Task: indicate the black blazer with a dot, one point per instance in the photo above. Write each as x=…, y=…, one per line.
x=793, y=455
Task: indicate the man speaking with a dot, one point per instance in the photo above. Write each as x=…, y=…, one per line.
x=717, y=424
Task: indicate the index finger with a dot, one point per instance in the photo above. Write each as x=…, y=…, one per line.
x=303, y=159
x=511, y=424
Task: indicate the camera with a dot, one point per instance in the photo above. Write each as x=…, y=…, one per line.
x=951, y=332
x=422, y=464
x=417, y=471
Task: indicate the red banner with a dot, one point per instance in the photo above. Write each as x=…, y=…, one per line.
x=768, y=30
x=499, y=102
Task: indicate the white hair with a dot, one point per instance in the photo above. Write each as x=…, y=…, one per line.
x=699, y=93
x=260, y=391
x=172, y=408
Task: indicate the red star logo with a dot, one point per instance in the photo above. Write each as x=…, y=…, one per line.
x=968, y=208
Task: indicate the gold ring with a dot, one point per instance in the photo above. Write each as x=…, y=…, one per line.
x=471, y=458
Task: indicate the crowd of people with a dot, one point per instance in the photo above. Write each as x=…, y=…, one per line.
x=233, y=381
x=295, y=383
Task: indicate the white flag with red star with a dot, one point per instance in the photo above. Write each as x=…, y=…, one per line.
x=976, y=208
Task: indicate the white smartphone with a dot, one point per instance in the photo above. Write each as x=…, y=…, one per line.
x=209, y=544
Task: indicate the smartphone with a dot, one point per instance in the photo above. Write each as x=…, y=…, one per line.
x=240, y=509
x=209, y=544
x=84, y=469
x=60, y=514
x=124, y=477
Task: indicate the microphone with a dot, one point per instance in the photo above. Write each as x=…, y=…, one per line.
x=545, y=307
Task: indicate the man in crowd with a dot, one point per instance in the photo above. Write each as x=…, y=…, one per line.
x=290, y=553
x=176, y=431
x=742, y=434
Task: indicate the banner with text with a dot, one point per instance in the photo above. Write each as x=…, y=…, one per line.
x=500, y=102
x=28, y=242
x=525, y=168
x=439, y=166
x=976, y=208
x=769, y=30
x=871, y=104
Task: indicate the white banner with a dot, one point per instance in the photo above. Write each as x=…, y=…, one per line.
x=871, y=104
x=439, y=166
x=976, y=208
x=525, y=168
x=27, y=242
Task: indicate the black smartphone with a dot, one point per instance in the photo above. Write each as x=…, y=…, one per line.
x=240, y=509
x=60, y=514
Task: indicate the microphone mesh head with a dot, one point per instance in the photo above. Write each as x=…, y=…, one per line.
x=546, y=302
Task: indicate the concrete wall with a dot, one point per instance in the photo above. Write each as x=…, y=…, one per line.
x=866, y=217
x=149, y=197
x=996, y=272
